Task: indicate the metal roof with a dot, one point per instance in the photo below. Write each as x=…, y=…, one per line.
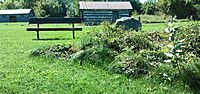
x=15, y=11
x=105, y=5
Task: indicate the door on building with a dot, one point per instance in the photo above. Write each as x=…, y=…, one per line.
x=13, y=18
x=115, y=15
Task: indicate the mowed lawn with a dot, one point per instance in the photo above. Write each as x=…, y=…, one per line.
x=21, y=73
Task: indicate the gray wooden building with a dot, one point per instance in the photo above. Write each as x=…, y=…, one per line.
x=97, y=12
x=16, y=15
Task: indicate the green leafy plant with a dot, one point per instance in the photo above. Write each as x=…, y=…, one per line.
x=184, y=53
x=175, y=45
x=99, y=56
x=56, y=51
x=191, y=74
x=131, y=64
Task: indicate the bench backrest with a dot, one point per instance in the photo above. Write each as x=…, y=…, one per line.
x=51, y=20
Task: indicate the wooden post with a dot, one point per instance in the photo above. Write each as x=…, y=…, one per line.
x=139, y=18
x=73, y=31
x=38, y=26
x=191, y=17
x=139, y=28
x=171, y=19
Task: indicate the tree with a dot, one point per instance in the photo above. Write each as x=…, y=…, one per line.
x=72, y=7
x=28, y=3
x=49, y=8
x=136, y=5
x=195, y=1
x=180, y=8
x=149, y=7
x=11, y=4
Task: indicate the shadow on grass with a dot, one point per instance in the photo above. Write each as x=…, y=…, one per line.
x=47, y=39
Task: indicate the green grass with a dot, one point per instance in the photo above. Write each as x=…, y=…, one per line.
x=21, y=73
x=157, y=19
x=151, y=18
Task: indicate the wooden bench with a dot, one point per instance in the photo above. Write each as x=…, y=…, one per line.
x=54, y=20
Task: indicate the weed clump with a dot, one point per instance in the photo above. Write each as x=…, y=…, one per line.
x=131, y=64
x=56, y=51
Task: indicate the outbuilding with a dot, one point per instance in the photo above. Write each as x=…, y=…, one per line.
x=97, y=12
x=16, y=15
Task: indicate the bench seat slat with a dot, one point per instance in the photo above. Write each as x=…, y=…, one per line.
x=53, y=20
x=54, y=29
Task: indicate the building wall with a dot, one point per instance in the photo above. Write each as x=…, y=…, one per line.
x=92, y=17
x=19, y=17
x=124, y=14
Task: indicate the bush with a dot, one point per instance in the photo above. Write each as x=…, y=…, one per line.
x=191, y=74
x=159, y=39
x=190, y=36
x=183, y=55
x=155, y=57
x=165, y=73
x=99, y=56
x=131, y=64
x=185, y=39
x=117, y=39
x=137, y=64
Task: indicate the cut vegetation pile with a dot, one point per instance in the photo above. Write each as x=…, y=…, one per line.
x=164, y=57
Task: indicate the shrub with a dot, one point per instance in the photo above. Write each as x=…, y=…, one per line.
x=159, y=39
x=155, y=57
x=183, y=55
x=137, y=64
x=117, y=39
x=131, y=64
x=165, y=73
x=191, y=74
x=190, y=36
x=99, y=56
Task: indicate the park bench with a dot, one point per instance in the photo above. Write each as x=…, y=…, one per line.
x=54, y=20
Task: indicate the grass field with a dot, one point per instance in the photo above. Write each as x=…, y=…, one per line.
x=21, y=73
x=157, y=19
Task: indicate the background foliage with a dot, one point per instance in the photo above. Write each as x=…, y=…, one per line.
x=54, y=8
x=180, y=8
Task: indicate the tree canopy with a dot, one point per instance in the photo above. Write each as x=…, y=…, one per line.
x=179, y=8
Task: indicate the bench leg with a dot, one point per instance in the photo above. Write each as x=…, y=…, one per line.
x=38, y=26
x=73, y=31
x=73, y=34
x=38, y=37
